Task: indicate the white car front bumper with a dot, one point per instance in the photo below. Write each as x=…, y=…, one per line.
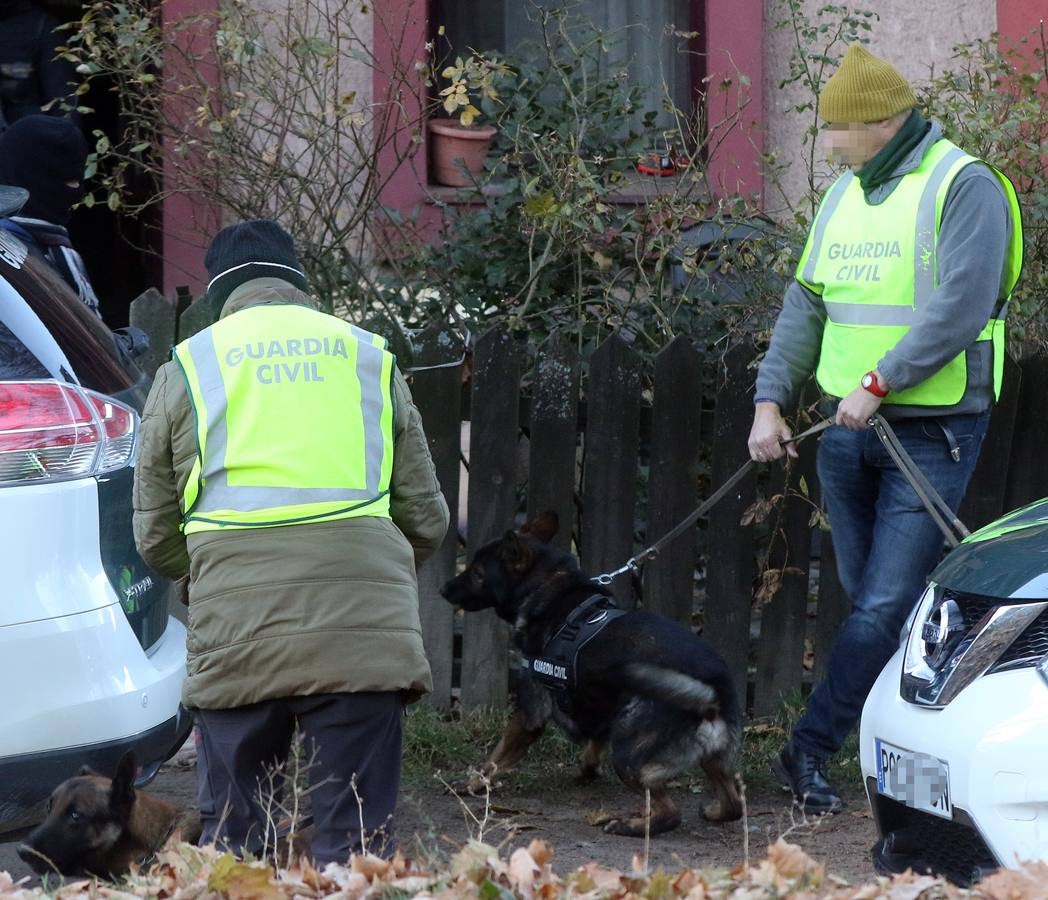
x=993, y=738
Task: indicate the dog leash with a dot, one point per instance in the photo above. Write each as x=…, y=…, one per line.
x=633, y=564
x=952, y=528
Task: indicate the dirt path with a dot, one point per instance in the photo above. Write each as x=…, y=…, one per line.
x=435, y=823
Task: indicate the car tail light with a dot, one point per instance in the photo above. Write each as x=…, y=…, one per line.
x=52, y=431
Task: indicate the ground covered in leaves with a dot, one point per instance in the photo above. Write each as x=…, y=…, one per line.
x=479, y=870
x=534, y=836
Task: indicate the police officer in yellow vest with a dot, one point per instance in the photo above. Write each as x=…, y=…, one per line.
x=283, y=468
x=897, y=307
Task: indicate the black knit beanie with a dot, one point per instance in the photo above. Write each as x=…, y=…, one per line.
x=41, y=153
x=258, y=248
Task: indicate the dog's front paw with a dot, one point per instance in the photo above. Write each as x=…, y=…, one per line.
x=621, y=826
x=719, y=812
x=480, y=782
x=639, y=825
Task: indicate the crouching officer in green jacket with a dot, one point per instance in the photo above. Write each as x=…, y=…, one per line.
x=284, y=469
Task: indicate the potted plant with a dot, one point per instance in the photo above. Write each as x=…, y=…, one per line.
x=458, y=145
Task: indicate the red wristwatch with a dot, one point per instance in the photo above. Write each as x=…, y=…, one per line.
x=869, y=382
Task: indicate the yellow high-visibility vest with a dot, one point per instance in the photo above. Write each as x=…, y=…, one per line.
x=294, y=420
x=876, y=265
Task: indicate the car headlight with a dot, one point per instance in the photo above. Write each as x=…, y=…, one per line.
x=955, y=638
x=923, y=647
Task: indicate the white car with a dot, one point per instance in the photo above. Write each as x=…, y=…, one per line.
x=954, y=735
x=91, y=664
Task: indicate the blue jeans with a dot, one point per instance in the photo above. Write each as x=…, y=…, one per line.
x=886, y=545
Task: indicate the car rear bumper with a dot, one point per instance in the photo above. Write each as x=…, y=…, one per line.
x=80, y=690
x=84, y=679
x=991, y=736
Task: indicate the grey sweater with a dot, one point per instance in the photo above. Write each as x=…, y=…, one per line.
x=973, y=239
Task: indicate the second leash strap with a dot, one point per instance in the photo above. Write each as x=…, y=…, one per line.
x=952, y=527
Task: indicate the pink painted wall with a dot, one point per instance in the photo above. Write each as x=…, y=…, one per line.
x=188, y=222
x=401, y=30
x=734, y=48
x=1016, y=19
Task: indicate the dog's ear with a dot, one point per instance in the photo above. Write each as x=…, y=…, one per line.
x=543, y=526
x=514, y=553
x=122, y=793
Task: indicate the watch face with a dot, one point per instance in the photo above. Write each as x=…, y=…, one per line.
x=867, y=380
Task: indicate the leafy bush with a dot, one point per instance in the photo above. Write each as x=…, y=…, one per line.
x=552, y=238
x=993, y=103
x=252, y=111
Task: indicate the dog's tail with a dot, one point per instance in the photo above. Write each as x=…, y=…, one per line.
x=672, y=687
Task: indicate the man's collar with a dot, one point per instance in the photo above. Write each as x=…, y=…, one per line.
x=265, y=291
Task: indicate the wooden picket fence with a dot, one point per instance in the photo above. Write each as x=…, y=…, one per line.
x=622, y=465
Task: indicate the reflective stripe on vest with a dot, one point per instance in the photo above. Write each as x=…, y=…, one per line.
x=871, y=302
x=317, y=364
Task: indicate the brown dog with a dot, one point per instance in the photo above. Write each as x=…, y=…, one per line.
x=100, y=826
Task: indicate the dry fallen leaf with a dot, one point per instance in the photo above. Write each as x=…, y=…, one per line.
x=243, y=881
x=540, y=851
x=909, y=886
x=522, y=871
x=599, y=878
x=1007, y=884
x=183, y=872
x=476, y=862
x=371, y=867
x=351, y=884
x=791, y=862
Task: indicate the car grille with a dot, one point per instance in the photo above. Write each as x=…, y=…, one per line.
x=1030, y=646
x=973, y=607
x=926, y=843
x=1025, y=650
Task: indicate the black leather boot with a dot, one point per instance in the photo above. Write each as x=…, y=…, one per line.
x=805, y=776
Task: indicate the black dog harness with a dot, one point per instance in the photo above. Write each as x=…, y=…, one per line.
x=556, y=666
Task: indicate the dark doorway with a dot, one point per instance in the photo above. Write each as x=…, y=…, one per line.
x=121, y=253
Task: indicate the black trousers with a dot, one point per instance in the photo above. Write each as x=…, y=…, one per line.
x=354, y=744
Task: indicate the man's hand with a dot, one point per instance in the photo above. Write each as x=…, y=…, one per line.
x=855, y=410
x=769, y=428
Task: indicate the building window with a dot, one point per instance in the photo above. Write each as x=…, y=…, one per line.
x=642, y=37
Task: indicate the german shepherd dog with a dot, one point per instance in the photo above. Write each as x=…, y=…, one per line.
x=99, y=826
x=660, y=696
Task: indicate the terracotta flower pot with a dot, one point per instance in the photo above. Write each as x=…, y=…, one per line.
x=453, y=145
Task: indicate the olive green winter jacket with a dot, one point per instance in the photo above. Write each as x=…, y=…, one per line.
x=296, y=609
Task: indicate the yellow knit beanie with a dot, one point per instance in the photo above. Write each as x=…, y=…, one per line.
x=864, y=89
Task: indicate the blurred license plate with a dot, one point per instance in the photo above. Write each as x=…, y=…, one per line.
x=916, y=779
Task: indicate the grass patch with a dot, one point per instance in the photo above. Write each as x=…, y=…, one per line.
x=763, y=739
x=449, y=745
